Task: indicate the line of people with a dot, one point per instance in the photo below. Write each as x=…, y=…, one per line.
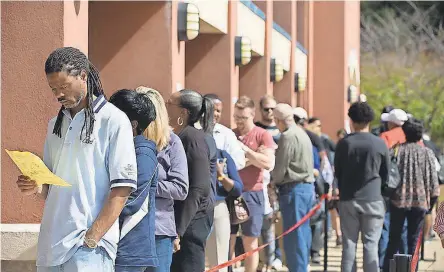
x=155, y=183
x=151, y=178
x=387, y=186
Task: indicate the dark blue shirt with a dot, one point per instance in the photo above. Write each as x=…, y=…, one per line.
x=137, y=245
x=316, y=159
x=231, y=172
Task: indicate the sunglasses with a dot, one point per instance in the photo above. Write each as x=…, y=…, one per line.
x=268, y=109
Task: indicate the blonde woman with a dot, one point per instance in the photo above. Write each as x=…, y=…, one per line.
x=173, y=178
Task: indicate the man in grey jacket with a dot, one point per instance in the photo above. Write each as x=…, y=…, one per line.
x=293, y=176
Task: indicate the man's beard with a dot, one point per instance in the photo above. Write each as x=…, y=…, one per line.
x=77, y=103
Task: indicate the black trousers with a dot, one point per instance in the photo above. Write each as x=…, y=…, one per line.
x=415, y=222
x=191, y=256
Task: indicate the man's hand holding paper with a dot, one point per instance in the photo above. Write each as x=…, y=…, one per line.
x=27, y=186
x=33, y=169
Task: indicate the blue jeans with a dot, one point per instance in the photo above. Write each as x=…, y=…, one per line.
x=383, y=242
x=164, y=250
x=130, y=268
x=278, y=252
x=85, y=259
x=295, y=202
x=268, y=235
x=317, y=230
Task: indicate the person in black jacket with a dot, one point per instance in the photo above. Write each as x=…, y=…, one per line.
x=194, y=215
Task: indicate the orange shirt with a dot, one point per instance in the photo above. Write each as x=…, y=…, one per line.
x=393, y=136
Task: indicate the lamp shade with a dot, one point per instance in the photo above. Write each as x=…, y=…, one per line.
x=353, y=94
x=276, y=70
x=242, y=50
x=187, y=21
x=300, y=82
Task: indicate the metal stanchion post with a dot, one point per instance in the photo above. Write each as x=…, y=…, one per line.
x=392, y=266
x=325, y=236
x=422, y=243
x=402, y=262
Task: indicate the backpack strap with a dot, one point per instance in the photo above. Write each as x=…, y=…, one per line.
x=396, y=149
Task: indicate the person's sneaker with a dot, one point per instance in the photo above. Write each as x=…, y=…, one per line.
x=277, y=264
x=339, y=241
x=316, y=258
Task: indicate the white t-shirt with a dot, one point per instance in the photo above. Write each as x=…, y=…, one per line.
x=267, y=206
x=92, y=170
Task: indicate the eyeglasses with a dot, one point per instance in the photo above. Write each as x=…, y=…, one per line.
x=268, y=109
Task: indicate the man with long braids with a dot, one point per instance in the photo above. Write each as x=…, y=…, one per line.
x=89, y=145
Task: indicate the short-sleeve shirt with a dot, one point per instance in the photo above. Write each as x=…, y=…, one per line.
x=393, y=136
x=252, y=176
x=92, y=169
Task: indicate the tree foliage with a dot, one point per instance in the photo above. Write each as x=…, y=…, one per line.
x=402, y=63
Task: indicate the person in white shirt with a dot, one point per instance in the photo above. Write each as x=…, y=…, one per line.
x=89, y=145
x=225, y=137
x=218, y=242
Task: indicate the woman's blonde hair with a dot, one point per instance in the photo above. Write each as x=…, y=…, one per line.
x=159, y=130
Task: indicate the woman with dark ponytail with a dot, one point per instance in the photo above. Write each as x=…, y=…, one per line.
x=191, y=117
x=90, y=146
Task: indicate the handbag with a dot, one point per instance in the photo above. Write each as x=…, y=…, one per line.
x=238, y=210
x=394, y=178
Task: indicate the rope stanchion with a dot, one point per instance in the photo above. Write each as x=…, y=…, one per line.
x=416, y=255
x=249, y=253
x=326, y=236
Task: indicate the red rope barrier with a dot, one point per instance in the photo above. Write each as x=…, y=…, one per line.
x=249, y=253
x=416, y=255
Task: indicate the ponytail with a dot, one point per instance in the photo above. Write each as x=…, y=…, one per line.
x=207, y=117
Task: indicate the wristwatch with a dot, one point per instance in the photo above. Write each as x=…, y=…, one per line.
x=90, y=243
x=221, y=177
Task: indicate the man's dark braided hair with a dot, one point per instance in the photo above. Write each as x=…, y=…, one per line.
x=72, y=61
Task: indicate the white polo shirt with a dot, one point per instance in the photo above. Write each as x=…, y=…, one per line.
x=92, y=170
x=226, y=140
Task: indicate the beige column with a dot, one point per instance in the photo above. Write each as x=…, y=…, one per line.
x=210, y=67
x=309, y=36
x=284, y=13
x=335, y=40
x=254, y=78
x=135, y=43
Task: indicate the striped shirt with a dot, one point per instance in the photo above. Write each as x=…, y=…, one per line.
x=439, y=221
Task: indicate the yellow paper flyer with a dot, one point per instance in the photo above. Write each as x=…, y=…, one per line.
x=32, y=166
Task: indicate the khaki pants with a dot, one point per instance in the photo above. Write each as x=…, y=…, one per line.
x=218, y=243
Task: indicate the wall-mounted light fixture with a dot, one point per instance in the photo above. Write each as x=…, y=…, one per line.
x=352, y=94
x=276, y=70
x=187, y=21
x=242, y=50
x=300, y=82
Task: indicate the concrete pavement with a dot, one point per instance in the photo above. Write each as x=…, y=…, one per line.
x=334, y=258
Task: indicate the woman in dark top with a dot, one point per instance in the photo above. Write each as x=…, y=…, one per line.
x=417, y=192
x=194, y=215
